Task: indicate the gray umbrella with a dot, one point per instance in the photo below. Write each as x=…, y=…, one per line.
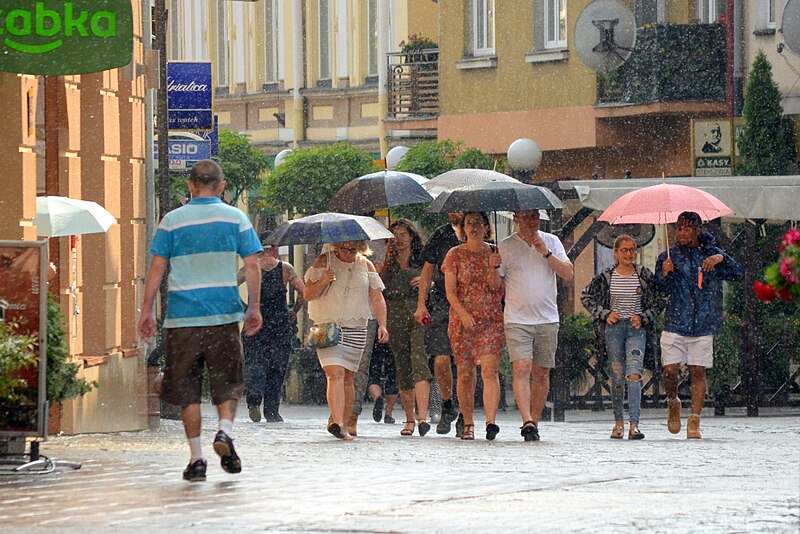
x=328, y=228
x=458, y=178
x=496, y=196
x=379, y=190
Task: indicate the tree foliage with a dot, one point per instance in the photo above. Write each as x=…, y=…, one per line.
x=242, y=164
x=309, y=178
x=767, y=139
x=17, y=352
x=430, y=159
x=62, y=375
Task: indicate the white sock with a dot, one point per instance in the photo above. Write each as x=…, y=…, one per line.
x=196, y=448
x=226, y=425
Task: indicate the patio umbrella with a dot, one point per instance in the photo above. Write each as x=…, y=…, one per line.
x=496, y=196
x=379, y=190
x=60, y=216
x=662, y=204
x=328, y=228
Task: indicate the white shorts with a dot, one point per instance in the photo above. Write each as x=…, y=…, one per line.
x=697, y=351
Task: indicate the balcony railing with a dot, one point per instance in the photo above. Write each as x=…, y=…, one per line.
x=671, y=63
x=413, y=84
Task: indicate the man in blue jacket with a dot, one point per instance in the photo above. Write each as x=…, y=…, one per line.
x=692, y=276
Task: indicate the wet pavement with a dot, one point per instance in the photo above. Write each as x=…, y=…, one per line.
x=744, y=476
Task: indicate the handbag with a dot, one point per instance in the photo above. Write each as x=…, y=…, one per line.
x=323, y=335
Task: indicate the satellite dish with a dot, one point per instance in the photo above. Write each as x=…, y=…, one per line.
x=642, y=234
x=790, y=25
x=605, y=35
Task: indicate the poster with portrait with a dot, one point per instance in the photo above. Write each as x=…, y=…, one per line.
x=23, y=306
x=712, y=147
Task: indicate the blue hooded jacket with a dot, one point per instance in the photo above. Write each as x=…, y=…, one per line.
x=694, y=311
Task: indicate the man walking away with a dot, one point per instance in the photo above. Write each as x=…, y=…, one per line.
x=692, y=276
x=200, y=243
x=531, y=260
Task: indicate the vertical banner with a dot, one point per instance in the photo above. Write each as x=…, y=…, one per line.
x=23, y=304
x=712, y=147
x=189, y=95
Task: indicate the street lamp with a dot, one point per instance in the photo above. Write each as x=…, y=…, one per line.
x=282, y=156
x=524, y=157
x=394, y=156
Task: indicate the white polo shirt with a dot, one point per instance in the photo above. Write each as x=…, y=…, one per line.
x=530, y=281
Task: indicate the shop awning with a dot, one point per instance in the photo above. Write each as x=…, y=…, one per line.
x=775, y=198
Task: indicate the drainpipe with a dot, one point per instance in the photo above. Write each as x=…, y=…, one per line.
x=383, y=99
x=729, y=58
x=298, y=108
x=738, y=58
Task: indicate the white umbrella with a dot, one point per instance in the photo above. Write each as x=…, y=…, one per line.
x=60, y=216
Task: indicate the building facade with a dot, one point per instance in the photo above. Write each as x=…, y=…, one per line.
x=82, y=136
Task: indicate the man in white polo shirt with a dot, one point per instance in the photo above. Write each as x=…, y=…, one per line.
x=531, y=260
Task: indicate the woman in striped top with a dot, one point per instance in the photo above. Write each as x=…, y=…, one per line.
x=623, y=299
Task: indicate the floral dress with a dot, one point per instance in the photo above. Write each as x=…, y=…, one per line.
x=480, y=300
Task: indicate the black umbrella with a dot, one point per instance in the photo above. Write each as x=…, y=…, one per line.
x=496, y=196
x=380, y=190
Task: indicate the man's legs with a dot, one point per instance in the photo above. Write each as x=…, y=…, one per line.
x=539, y=391
x=443, y=372
x=276, y=365
x=255, y=367
x=521, y=384
x=361, y=379
x=466, y=391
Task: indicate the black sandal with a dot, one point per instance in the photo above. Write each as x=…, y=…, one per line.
x=424, y=427
x=491, y=431
x=336, y=430
x=408, y=431
x=469, y=433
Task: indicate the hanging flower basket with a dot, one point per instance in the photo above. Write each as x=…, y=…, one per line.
x=782, y=277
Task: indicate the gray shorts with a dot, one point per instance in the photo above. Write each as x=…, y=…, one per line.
x=537, y=342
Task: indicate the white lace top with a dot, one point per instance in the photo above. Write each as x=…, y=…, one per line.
x=346, y=301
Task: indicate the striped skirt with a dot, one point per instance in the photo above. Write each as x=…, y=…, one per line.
x=348, y=352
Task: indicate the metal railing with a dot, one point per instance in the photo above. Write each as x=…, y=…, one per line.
x=413, y=84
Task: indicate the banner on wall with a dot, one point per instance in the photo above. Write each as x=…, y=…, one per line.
x=23, y=303
x=189, y=95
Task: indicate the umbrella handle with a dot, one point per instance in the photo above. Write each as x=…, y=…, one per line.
x=666, y=238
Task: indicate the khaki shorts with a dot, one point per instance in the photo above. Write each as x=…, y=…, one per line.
x=537, y=342
x=189, y=351
x=676, y=348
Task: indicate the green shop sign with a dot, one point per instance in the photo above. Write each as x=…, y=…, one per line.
x=53, y=37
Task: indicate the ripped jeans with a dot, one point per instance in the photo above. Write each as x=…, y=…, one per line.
x=625, y=347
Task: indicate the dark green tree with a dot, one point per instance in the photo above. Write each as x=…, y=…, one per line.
x=766, y=142
x=309, y=178
x=62, y=375
x=242, y=164
x=430, y=159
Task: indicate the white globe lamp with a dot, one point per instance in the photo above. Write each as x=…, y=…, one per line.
x=394, y=156
x=282, y=156
x=524, y=157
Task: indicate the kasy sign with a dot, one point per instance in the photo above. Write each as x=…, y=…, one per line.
x=189, y=95
x=184, y=153
x=53, y=37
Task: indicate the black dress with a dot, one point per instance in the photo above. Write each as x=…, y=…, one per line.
x=266, y=354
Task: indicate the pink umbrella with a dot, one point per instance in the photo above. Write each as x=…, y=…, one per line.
x=662, y=204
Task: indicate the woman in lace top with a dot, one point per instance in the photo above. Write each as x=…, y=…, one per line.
x=343, y=287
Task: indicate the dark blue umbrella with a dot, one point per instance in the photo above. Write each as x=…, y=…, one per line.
x=380, y=190
x=328, y=228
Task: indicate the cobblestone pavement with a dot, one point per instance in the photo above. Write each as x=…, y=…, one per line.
x=743, y=477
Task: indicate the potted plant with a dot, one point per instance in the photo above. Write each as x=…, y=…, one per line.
x=413, y=48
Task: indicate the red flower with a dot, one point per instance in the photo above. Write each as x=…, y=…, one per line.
x=765, y=292
x=784, y=294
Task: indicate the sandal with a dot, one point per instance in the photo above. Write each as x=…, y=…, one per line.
x=408, y=431
x=634, y=433
x=492, y=430
x=529, y=431
x=336, y=430
x=469, y=433
x=617, y=432
x=424, y=427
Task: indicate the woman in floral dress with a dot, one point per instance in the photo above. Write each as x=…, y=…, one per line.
x=474, y=290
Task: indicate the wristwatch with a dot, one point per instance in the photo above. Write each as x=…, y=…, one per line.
x=549, y=253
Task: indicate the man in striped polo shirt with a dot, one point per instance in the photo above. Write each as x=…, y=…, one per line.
x=200, y=243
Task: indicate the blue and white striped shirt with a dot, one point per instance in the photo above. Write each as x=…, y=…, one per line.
x=201, y=240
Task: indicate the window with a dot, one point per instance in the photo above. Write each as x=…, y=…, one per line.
x=239, y=43
x=483, y=27
x=222, y=45
x=324, y=40
x=372, y=37
x=709, y=11
x=771, y=14
x=270, y=41
x=555, y=24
